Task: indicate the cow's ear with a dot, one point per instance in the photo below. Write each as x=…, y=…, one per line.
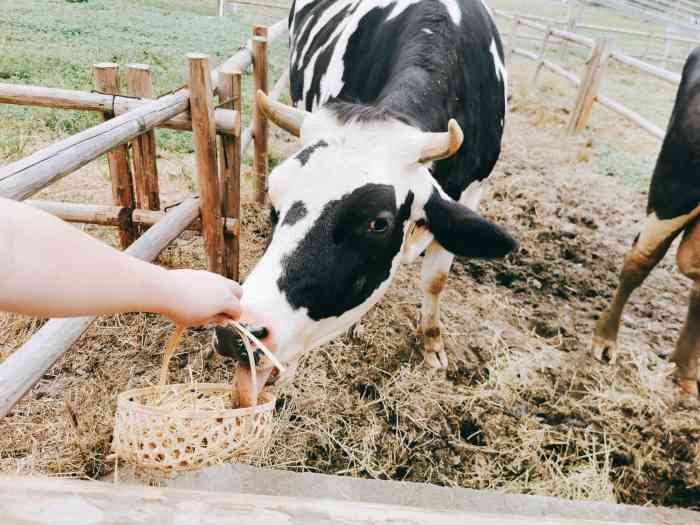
x=463, y=232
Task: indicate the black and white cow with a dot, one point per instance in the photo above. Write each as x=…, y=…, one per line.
x=378, y=180
x=673, y=208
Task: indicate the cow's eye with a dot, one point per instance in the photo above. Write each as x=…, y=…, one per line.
x=378, y=225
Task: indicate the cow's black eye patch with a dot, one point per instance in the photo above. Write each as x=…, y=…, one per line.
x=295, y=214
x=304, y=155
x=340, y=263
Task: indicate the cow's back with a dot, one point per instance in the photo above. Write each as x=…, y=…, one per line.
x=675, y=185
x=430, y=60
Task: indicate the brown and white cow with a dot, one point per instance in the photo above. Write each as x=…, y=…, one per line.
x=673, y=209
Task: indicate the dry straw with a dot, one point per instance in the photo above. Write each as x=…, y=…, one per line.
x=165, y=429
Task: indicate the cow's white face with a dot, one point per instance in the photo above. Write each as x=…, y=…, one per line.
x=341, y=209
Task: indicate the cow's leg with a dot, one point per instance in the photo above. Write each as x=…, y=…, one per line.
x=436, y=267
x=648, y=249
x=687, y=352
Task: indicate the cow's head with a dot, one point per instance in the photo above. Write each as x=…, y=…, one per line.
x=346, y=209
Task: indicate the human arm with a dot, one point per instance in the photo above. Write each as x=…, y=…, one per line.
x=51, y=269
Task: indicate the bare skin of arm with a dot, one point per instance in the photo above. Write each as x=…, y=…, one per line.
x=51, y=269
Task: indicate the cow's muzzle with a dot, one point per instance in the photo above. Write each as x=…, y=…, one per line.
x=229, y=343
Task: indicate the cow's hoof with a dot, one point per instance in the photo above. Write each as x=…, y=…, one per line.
x=437, y=360
x=689, y=386
x=604, y=350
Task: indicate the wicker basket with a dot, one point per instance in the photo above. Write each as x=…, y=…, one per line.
x=162, y=430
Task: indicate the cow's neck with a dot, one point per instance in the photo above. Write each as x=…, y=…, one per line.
x=419, y=95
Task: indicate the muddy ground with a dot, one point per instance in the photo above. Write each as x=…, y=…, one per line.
x=523, y=407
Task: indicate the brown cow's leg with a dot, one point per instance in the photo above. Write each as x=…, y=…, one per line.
x=651, y=246
x=687, y=351
x=436, y=267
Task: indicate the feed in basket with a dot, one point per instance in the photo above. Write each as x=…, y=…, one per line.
x=169, y=428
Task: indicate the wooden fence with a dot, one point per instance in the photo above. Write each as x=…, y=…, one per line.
x=573, y=23
x=589, y=86
x=144, y=230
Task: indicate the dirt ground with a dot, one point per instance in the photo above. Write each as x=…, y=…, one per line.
x=523, y=407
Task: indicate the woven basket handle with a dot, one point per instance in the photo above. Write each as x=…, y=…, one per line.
x=169, y=351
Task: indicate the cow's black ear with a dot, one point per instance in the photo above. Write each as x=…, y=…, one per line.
x=463, y=232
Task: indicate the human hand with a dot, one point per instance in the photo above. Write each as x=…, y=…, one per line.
x=196, y=297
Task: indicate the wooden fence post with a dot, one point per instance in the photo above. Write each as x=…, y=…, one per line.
x=230, y=172
x=260, y=122
x=667, y=52
x=590, y=84
x=512, y=40
x=143, y=149
x=540, y=62
x=204, y=135
x=107, y=81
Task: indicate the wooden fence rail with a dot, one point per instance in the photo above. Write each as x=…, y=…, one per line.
x=22, y=95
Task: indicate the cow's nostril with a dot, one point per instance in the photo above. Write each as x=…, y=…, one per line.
x=259, y=331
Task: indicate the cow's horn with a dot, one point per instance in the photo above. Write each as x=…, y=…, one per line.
x=286, y=117
x=442, y=145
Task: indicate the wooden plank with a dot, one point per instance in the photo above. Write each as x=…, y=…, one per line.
x=107, y=81
x=590, y=84
x=260, y=128
x=227, y=121
x=146, y=188
x=39, y=501
x=24, y=367
x=114, y=215
x=230, y=172
x=202, y=110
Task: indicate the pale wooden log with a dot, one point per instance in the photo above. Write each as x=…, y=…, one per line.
x=660, y=73
x=260, y=128
x=204, y=134
x=632, y=116
x=241, y=60
x=644, y=34
x=230, y=173
x=667, y=53
x=107, y=81
x=512, y=41
x=540, y=61
x=39, y=501
x=227, y=121
x=554, y=68
x=143, y=148
x=564, y=35
x=590, y=84
x=114, y=215
x=22, y=179
x=24, y=367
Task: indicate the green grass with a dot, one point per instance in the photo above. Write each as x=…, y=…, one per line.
x=54, y=43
